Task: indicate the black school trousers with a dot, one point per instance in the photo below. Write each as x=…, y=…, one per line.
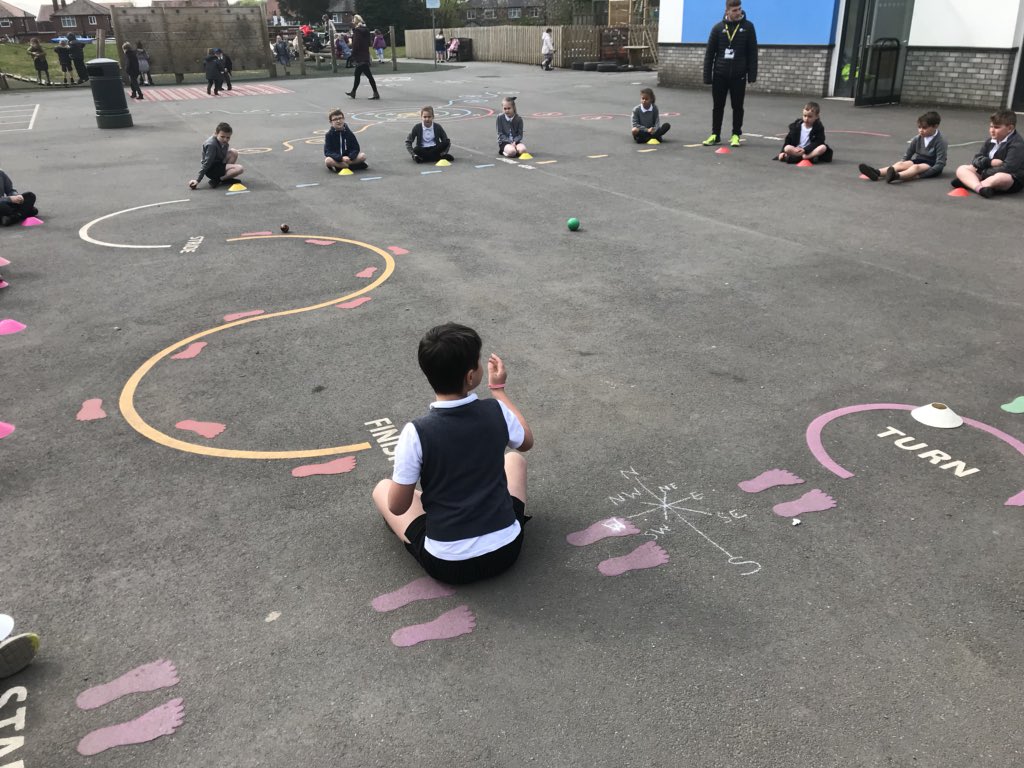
x=736, y=89
x=363, y=68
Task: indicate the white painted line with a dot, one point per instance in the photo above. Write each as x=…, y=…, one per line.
x=378, y=178
x=487, y=165
x=33, y=121
x=424, y=173
x=84, y=231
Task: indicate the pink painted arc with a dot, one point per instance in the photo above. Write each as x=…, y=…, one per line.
x=457, y=621
x=368, y=272
x=91, y=410
x=239, y=315
x=208, y=429
x=190, y=351
x=398, y=251
x=8, y=326
x=5, y=429
x=817, y=449
x=354, y=303
x=316, y=241
x=335, y=467
x=159, y=721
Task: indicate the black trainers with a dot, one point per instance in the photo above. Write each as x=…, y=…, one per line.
x=871, y=173
x=891, y=175
x=449, y=158
x=986, y=192
x=957, y=184
x=214, y=183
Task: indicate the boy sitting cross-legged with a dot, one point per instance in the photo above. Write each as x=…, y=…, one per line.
x=467, y=523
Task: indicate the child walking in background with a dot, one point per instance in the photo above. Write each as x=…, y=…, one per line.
x=925, y=156
x=510, y=129
x=341, y=149
x=131, y=68
x=427, y=141
x=214, y=68
x=145, y=64
x=806, y=138
x=646, y=125
x=63, y=51
x=35, y=50
x=468, y=521
x=379, y=45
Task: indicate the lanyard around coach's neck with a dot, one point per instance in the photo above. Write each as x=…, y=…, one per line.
x=734, y=31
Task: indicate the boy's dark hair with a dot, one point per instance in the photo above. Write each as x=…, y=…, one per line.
x=427, y=108
x=223, y=128
x=1004, y=117
x=814, y=106
x=647, y=92
x=334, y=113
x=447, y=352
x=732, y=4
x=929, y=120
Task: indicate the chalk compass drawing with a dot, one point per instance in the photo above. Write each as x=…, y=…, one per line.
x=658, y=508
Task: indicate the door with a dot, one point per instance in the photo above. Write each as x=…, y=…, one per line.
x=882, y=51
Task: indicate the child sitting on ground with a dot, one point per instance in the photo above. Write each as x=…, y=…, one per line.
x=510, y=129
x=14, y=207
x=427, y=141
x=467, y=524
x=341, y=150
x=998, y=169
x=925, y=156
x=220, y=162
x=806, y=138
x=646, y=125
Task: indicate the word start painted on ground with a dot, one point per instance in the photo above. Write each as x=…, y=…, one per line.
x=935, y=457
x=192, y=245
x=386, y=434
x=674, y=505
x=8, y=743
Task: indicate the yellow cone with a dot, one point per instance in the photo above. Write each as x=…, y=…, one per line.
x=442, y=163
x=653, y=141
x=237, y=188
x=526, y=156
x=345, y=172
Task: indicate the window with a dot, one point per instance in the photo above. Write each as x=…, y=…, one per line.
x=92, y=21
x=488, y=13
x=515, y=13
x=533, y=13
x=470, y=14
x=5, y=22
x=67, y=21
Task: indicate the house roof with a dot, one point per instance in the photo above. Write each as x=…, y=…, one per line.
x=10, y=12
x=45, y=11
x=83, y=8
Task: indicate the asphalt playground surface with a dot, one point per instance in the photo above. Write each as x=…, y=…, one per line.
x=710, y=308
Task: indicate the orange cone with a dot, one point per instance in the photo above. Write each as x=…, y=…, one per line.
x=805, y=163
x=723, y=151
x=959, y=193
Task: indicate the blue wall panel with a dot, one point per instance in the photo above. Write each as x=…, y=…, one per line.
x=778, y=22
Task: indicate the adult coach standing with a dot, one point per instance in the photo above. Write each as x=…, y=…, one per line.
x=730, y=62
x=361, y=56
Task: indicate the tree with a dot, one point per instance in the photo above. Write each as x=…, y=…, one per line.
x=305, y=10
x=403, y=14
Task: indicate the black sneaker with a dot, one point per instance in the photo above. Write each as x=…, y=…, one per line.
x=957, y=184
x=449, y=158
x=986, y=192
x=214, y=183
x=871, y=173
x=891, y=175
x=359, y=166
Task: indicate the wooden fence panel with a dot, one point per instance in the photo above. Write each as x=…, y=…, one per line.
x=513, y=44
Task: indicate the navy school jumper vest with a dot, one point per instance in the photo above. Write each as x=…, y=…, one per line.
x=465, y=493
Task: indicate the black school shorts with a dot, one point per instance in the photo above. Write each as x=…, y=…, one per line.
x=473, y=569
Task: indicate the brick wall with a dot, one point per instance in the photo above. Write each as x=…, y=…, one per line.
x=780, y=68
x=964, y=78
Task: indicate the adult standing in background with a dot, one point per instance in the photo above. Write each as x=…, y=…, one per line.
x=361, y=56
x=78, y=56
x=547, y=50
x=730, y=62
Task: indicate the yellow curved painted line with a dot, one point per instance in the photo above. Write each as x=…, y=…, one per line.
x=127, y=399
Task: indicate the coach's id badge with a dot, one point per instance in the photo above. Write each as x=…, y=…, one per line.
x=729, y=54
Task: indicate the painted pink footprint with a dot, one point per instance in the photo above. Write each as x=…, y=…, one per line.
x=1013, y=501
x=208, y=429
x=457, y=621
x=91, y=410
x=648, y=555
x=149, y=677
x=602, y=529
x=336, y=467
x=353, y=303
x=161, y=721
x=368, y=272
x=239, y=315
x=420, y=589
x=190, y=351
x=815, y=500
x=770, y=479
x=397, y=250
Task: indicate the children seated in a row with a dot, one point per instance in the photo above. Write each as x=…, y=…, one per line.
x=427, y=142
x=341, y=149
x=806, y=138
x=998, y=168
x=925, y=156
x=510, y=129
x=646, y=125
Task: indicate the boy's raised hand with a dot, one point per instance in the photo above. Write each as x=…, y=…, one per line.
x=496, y=373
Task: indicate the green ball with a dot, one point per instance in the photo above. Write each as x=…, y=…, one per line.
x=573, y=224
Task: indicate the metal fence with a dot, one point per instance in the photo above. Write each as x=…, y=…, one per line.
x=521, y=44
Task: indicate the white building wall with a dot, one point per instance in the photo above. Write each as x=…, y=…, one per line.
x=670, y=21
x=965, y=23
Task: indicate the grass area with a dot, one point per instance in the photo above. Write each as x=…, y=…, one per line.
x=14, y=58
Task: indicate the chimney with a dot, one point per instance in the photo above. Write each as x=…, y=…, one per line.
x=55, y=6
x=63, y=4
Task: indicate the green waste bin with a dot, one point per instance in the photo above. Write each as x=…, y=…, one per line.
x=108, y=93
